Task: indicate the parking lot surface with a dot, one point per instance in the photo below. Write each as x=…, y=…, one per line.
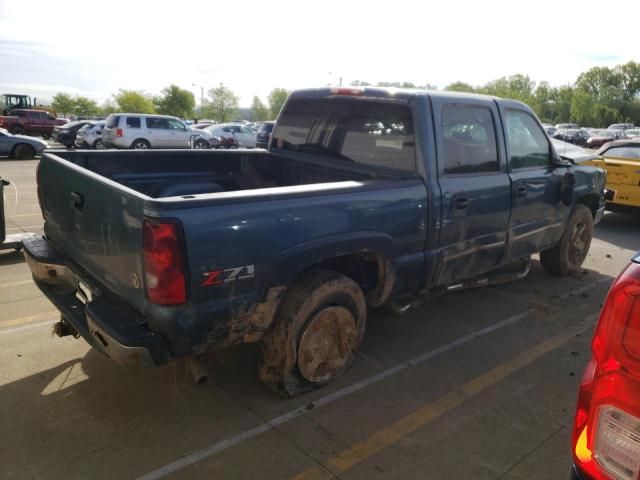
x=476, y=384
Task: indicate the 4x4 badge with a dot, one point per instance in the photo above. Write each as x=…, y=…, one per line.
x=222, y=277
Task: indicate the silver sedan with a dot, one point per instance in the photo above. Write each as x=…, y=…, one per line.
x=21, y=147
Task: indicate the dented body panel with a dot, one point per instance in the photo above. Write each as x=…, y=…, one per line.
x=270, y=216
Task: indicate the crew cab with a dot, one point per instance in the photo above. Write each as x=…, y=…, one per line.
x=30, y=122
x=366, y=197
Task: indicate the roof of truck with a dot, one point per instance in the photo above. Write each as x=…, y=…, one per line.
x=386, y=92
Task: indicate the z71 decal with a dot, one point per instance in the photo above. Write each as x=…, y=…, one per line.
x=222, y=277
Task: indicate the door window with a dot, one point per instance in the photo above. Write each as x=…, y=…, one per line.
x=157, y=123
x=469, y=140
x=527, y=142
x=175, y=124
x=133, y=122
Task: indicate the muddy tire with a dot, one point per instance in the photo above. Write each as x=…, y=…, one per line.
x=319, y=325
x=569, y=253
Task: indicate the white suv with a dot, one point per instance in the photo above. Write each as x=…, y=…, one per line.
x=140, y=131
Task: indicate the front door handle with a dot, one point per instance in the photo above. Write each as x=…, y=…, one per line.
x=521, y=191
x=461, y=203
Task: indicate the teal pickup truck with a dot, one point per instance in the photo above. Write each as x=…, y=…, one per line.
x=364, y=197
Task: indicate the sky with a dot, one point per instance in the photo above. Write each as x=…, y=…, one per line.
x=95, y=48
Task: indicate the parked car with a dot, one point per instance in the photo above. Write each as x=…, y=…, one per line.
x=600, y=137
x=66, y=134
x=631, y=133
x=264, y=134
x=621, y=126
x=21, y=147
x=566, y=126
x=30, y=122
x=621, y=160
x=141, y=131
x=201, y=125
x=572, y=135
x=245, y=137
x=606, y=440
x=90, y=136
x=352, y=206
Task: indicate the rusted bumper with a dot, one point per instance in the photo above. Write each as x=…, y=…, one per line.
x=102, y=320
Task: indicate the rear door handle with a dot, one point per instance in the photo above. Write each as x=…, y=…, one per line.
x=461, y=203
x=77, y=200
x=521, y=191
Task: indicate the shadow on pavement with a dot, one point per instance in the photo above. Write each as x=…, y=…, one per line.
x=10, y=257
x=620, y=229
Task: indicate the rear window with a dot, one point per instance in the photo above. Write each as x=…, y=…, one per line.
x=113, y=121
x=266, y=128
x=373, y=133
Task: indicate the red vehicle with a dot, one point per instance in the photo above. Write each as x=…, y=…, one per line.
x=30, y=122
x=606, y=431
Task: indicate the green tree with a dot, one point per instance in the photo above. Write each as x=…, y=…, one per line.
x=259, y=111
x=175, y=101
x=131, y=101
x=85, y=107
x=277, y=97
x=107, y=108
x=460, y=87
x=63, y=103
x=222, y=106
x=519, y=87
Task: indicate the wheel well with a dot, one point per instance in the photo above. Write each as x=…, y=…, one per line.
x=140, y=140
x=18, y=145
x=369, y=270
x=591, y=201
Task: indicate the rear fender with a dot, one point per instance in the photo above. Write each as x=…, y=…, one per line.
x=294, y=261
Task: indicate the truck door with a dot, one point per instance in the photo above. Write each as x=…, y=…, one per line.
x=475, y=186
x=536, y=216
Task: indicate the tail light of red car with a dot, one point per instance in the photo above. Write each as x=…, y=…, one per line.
x=606, y=432
x=164, y=262
x=119, y=133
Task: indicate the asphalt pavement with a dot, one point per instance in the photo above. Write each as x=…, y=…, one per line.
x=477, y=384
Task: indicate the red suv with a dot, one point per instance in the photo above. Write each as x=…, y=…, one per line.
x=606, y=431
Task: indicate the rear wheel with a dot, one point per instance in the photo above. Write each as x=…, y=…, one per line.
x=569, y=253
x=16, y=130
x=319, y=326
x=200, y=144
x=140, y=144
x=23, y=151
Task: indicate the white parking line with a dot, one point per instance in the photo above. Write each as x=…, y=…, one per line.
x=343, y=392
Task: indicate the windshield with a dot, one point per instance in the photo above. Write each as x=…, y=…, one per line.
x=374, y=133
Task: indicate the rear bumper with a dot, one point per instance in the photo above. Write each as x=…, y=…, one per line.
x=105, y=322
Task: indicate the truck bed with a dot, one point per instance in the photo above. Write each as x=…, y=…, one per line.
x=166, y=173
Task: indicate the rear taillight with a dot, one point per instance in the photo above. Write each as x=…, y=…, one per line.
x=165, y=282
x=606, y=434
x=119, y=132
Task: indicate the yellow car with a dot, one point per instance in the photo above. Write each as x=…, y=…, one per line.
x=621, y=160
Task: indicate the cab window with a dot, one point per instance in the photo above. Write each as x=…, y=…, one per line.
x=469, y=140
x=527, y=142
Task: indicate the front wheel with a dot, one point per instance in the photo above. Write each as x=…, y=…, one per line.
x=200, y=144
x=319, y=326
x=569, y=253
x=23, y=152
x=98, y=145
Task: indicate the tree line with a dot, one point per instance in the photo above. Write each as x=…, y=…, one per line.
x=220, y=104
x=599, y=97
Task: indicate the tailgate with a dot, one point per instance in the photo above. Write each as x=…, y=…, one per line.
x=97, y=223
x=622, y=172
